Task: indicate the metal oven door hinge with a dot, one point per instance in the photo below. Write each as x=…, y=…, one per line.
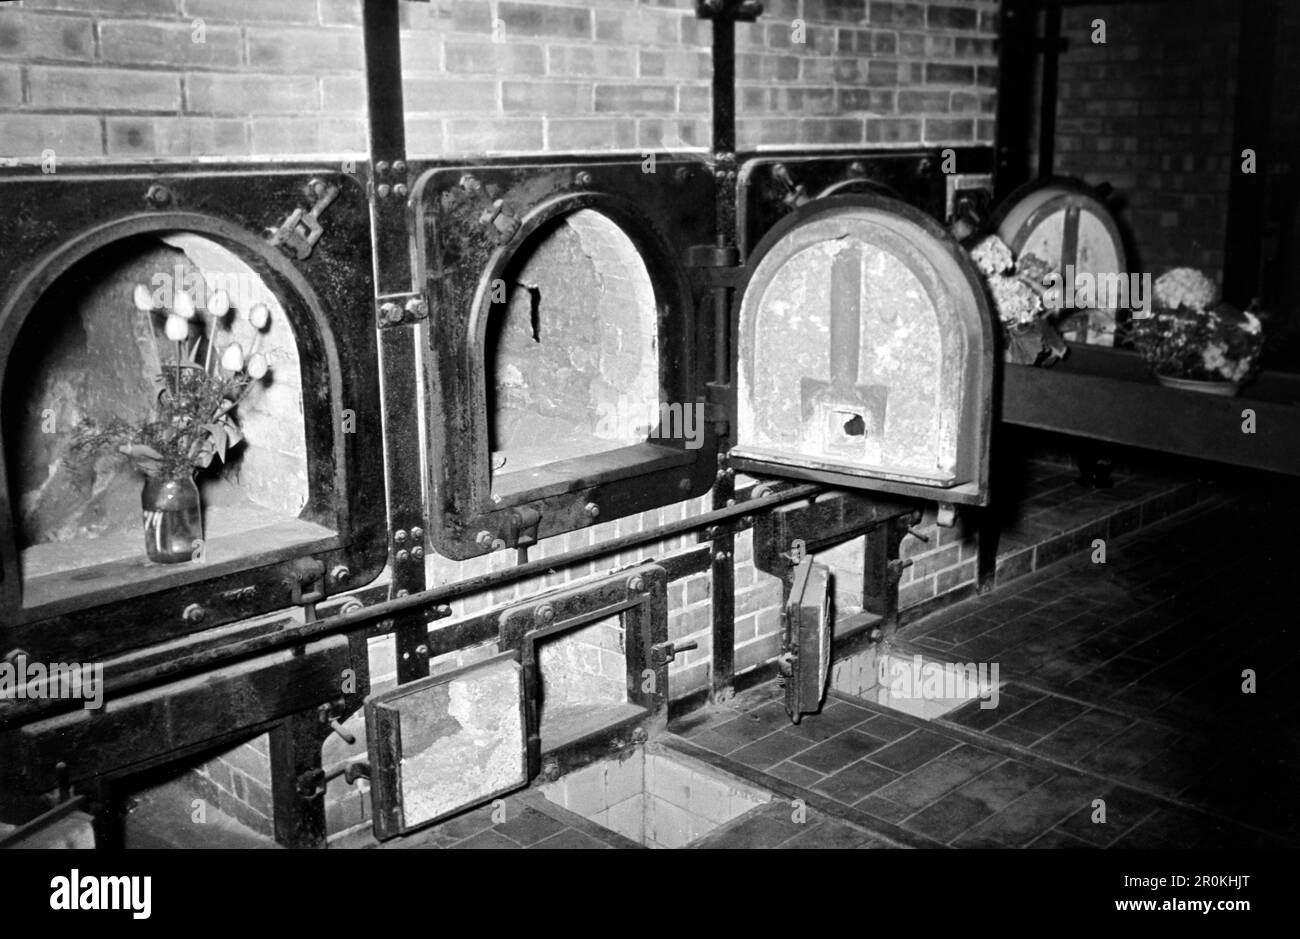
x=298, y=234
x=712, y=256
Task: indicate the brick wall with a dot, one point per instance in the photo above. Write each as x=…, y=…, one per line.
x=121, y=79
x=1151, y=112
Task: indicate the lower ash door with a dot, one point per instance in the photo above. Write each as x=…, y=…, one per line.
x=578, y=673
x=806, y=660
x=865, y=353
x=444, y=743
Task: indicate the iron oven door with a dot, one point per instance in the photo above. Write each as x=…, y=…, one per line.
x=865, y=353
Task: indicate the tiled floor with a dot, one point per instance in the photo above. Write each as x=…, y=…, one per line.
x=1122, y=683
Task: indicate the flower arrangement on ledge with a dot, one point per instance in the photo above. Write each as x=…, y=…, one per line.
x=1016, y=287
x=192, y=422
x=1193, y=340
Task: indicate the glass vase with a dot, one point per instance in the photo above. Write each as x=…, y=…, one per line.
x=173, y=519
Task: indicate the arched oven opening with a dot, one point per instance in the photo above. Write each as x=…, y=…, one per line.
x=563, y=380
x=90, y=353
x=571, y=348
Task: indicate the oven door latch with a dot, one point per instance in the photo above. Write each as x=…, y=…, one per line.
x=792, y=194
x=298, y=234
x=307, y=585
x=665, y=652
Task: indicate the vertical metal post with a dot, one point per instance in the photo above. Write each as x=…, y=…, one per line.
x=398, y=353
x=1247, y=192
x=1050, y=90
x=1017, y=60
x=879, y=578
x=296, y=777
x=724, y=15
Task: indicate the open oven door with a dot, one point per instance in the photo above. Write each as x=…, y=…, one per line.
x=578, y=673
x=805, y=661
x=1068, y=224
x=866, y=353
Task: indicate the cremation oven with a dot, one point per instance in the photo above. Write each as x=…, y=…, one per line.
x=562, y=373
x=96, y=261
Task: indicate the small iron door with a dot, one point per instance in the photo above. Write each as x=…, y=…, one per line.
x=806, y=661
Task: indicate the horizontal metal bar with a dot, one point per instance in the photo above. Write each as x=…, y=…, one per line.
x=43, y=820
x=24, y=712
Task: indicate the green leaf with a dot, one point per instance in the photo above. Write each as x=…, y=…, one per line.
x=140, y=451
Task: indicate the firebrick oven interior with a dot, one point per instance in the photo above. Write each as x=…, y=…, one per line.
x=87, y=352
x=675, y=424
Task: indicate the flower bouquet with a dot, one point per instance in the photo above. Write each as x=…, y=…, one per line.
x=192, y=422
x=1016, y=287
x=1193, y=340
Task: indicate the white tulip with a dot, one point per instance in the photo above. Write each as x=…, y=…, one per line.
x=232, y=360
x=143, y=298
x=177, y=328
x=183, y=305
x=257, y=366
x=259, y=314
x=219, y=303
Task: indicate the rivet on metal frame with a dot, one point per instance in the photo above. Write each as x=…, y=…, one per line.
x=158, y=196
x=544, y=615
